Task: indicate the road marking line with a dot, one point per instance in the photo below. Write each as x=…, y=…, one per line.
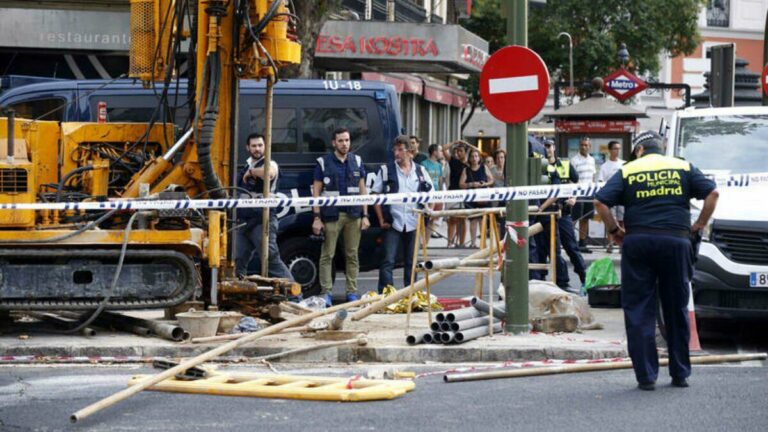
x=513, y=84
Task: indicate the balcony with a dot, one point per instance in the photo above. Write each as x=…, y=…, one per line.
x=405, y=10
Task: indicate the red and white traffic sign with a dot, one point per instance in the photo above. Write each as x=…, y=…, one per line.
x=514, y=84
x=764, y=80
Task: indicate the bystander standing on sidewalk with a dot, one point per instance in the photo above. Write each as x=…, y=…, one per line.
x=414, y=146
x=607, y=170
x=340, y=172
x=584, y=164
x=398, y=220
x=434, y=167
x=476, y=175
x=456, y=227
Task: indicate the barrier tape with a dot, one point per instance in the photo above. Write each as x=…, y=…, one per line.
x=517, y=193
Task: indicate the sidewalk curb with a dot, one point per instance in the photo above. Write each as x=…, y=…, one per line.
x=384, y=354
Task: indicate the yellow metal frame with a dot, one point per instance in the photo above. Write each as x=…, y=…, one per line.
x=287, y=387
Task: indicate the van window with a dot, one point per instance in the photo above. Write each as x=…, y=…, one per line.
x=284, y=126
x=41, y=109
x=319, y=124
x=125, y=109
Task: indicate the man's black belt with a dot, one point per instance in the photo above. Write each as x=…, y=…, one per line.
x=658, y=231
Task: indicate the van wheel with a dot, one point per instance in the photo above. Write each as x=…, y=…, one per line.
x=302, y=256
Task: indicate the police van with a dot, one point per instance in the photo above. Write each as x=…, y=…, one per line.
x=305, y=114
x=731, y=274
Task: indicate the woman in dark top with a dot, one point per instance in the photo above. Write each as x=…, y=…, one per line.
x=475, y=176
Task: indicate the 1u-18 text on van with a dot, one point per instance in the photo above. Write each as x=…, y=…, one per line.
x=731, y=274
x=305, y=114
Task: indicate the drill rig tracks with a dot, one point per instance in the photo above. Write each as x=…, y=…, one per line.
x=79, y=279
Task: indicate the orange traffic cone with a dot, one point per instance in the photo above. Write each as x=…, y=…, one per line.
x=693, y=344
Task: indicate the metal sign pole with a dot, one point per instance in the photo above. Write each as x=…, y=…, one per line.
x=516, y=260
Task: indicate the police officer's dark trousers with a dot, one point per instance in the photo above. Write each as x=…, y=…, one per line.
x=542, y=248
x=567, y=233
x=646, y=258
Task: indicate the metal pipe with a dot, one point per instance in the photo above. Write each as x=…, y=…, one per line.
x=11, y=135
x=126, y=323
x=439, y=317
x=475, y=333
x=590, y=367
x=267, y=180
x=435, y=326
x=484, y=307
x=178, y=144
x=442, y=263
x=447, y=337
x=467, y=324
x=405, y=292
x=337, y=322
x=437, y=338
x=420, y=338
x=445, y=326
x=463, y=314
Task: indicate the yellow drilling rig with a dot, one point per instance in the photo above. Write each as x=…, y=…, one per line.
x=124, y=259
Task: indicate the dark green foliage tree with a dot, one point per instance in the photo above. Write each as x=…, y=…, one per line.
x=648, y=27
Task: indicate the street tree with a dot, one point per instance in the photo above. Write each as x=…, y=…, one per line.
x=650, y=28
x=312, y=14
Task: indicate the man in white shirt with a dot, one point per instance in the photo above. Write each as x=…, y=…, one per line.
x=398, y=221
x=584, y=164
x=607, y=170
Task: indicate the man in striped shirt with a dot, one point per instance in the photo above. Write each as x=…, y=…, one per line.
x=584, y=164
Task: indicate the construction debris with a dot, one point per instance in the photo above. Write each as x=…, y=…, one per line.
x=464, y=325
x=146, y=382
x=419, y=302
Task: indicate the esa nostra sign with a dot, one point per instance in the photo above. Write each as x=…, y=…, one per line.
x=623, y=84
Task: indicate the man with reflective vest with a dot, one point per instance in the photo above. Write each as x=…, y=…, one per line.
x=339, y=173
x=559, y=172
x=248, y=237
x=398, y=220
x=655, y=191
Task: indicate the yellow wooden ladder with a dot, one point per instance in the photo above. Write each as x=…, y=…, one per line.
x=353, y=389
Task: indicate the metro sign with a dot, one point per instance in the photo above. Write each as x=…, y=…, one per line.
x=623, y=84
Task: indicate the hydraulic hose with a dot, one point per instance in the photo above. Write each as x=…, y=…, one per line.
x=205, y=137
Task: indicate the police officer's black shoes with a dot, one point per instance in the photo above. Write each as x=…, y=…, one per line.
x=679, y=382
x=647, y=386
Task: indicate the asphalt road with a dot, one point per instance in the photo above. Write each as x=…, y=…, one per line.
x=720, y=398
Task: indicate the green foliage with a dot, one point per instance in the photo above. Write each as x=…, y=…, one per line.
x=598, y=27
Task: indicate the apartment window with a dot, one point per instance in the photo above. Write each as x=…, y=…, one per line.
x=718, y=13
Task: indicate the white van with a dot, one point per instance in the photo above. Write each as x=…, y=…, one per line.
x=731, y=274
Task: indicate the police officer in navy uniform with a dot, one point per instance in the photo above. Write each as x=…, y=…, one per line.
x=248, y=237
x=338, y=173
x=656, y=191
x=559, y=172
x=398, y=220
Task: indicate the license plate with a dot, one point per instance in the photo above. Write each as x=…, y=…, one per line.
x=758, y=279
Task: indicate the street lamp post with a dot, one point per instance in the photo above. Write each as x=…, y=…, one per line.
x=570, y=62
x=623, y=54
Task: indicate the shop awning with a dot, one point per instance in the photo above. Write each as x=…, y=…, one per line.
x=429, y=90
x=403, y=83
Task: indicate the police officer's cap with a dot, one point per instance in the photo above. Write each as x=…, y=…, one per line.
x=648, y=139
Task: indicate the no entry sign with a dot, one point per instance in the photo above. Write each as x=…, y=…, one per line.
x=514, y=84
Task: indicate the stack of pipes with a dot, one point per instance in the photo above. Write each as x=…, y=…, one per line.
x=461, y=325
